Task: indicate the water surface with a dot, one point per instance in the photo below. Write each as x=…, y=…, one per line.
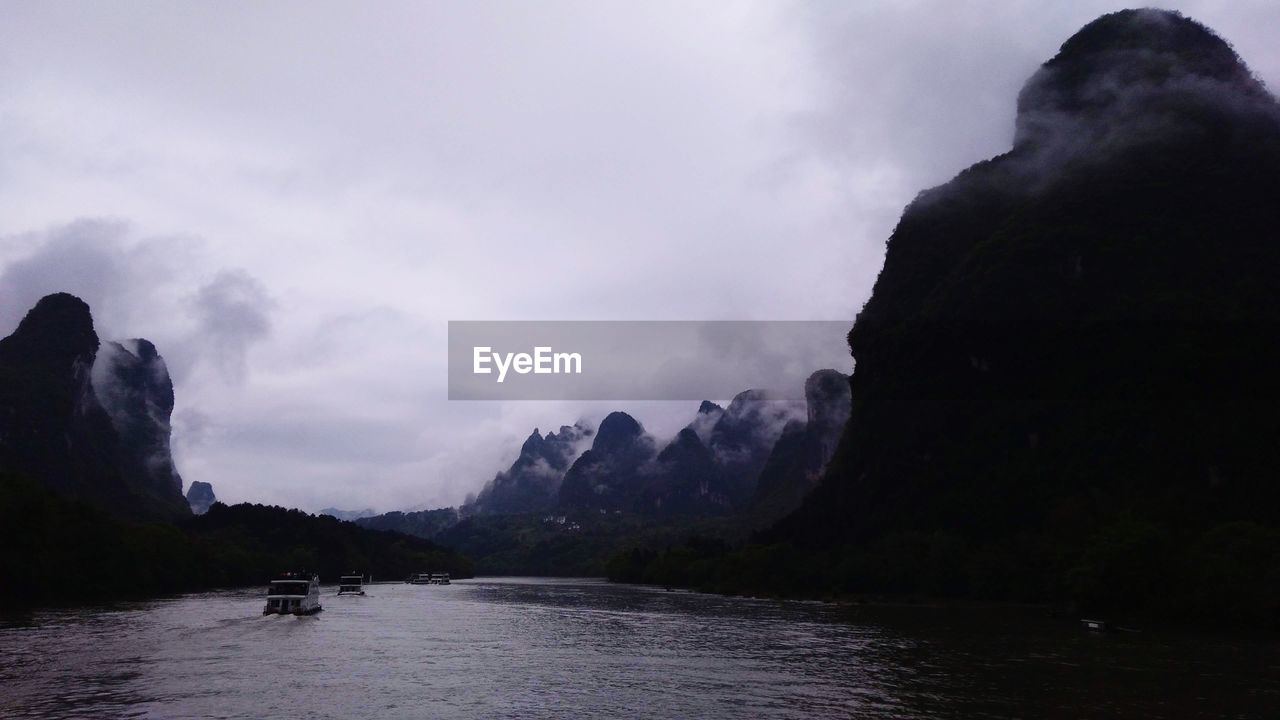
x=536, y=648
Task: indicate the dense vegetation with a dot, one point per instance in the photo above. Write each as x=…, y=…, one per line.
x=1131, y=568
x=581, y=545
x=419, y=523
x=54, y=550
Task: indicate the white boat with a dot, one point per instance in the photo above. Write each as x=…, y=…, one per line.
x=429, y=579
x=293, y=594
x=351, y=585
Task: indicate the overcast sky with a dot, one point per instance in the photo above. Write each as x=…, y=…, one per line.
x=292, y=199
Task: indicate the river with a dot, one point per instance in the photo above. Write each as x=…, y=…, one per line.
x=539, y=648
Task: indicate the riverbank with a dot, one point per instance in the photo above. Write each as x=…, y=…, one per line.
x=64, y=552
x=1225, y=579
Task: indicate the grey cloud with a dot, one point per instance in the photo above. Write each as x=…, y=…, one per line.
x=136, y=286
x=98, y=260
x=232, y=313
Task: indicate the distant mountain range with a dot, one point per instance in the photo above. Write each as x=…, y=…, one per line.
x=349, y=515
x=756, y=458
x=711, y=467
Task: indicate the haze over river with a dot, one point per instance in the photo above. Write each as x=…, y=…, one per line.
x=538, y=648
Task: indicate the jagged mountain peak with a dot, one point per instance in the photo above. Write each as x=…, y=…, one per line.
x=87, y=419
x=56, y=331
x=826, y=394
x=200, y=496
x=617, y=430
x=1135, y=76
x=532, y=482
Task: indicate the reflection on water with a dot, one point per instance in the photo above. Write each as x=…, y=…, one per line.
x=554, y=648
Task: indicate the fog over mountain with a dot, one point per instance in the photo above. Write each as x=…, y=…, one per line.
x=292, y=211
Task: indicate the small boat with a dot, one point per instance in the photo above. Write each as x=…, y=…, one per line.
x=351, y=585
x=429, y=579
x=293, y=594
x=1103, y=626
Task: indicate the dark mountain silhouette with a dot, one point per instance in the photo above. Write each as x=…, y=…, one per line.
x=622, y=470
x=532, y=483
x=1064, y=377
x=685, y=479
x=88, y=422
x=743, y=437
x=801, y=453
x=200, y=497
x=131, y=382
x=609, y=476
x=708, y=415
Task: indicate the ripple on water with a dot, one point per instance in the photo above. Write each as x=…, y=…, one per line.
x=553, y=648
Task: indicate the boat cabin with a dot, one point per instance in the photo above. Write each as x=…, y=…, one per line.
x=293, y=594
x=351, y=585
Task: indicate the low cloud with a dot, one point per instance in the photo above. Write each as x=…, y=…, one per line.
x=232, y=313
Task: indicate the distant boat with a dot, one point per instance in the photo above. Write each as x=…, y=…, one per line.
x=293, y=594
x=429, y=579
x=351, y=585
x=1102, y=626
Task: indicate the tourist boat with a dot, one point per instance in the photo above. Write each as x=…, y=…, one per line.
x=351, y=585
x=429, y=579
x=293, y=594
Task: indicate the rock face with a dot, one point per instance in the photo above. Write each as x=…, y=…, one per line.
x=685, y=479
x=705, y=421
x=200, y=497
x=797, y=460
x=132, y=384
x=1085, y=327
x=609, y=475
x=743, y=437
x=532, y=483
x=55, y=427
x=709, y=468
